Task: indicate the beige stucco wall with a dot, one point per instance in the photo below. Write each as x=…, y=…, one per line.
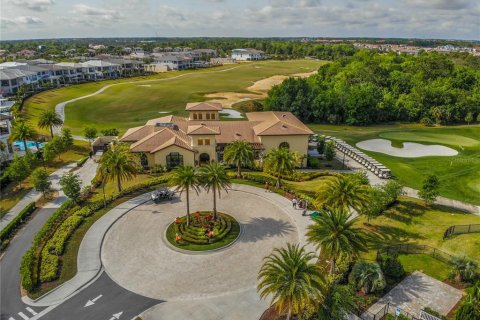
x=204, y=115
x=160, y=157
x=210, y=150
x=297, y=143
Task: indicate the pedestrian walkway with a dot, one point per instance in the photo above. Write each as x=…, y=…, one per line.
x=86, y=173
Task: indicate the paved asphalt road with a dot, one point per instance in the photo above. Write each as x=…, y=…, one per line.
x=112, y=302
x=114, y=298
x=11, y=304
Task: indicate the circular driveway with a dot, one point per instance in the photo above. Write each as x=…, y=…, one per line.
x=136, y=256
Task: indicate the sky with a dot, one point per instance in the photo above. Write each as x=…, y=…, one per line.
x=442, y=19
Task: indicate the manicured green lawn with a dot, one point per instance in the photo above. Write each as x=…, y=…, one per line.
x=129, y=105
x=459, y=175
x=411, y=222
x=426, y=264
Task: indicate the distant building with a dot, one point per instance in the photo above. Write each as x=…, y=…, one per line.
x=26, y=53
x=156, y=68
x=174, y=62
x=247, y=54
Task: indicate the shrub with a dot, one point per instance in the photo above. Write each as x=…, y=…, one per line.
x=26, y=274
x=56, y=244
x=49, y=266
x=329, y=150
x=313, y=162
x=82, y=161
x=392, y=190
x=427, y=122
x=392, y=267
x=321, y=145
x=10, y=228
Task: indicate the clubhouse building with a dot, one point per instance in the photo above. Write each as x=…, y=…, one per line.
x=171, y=141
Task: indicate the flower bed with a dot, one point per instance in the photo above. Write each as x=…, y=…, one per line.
x=204, y=233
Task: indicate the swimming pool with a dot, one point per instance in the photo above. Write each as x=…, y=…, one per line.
x=30, y=145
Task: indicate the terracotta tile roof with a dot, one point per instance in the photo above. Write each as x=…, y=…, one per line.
x=203, y=129
x=159, y=140
x=137, y=133
x=163, y=132
x=277, y=123
x=204, y=106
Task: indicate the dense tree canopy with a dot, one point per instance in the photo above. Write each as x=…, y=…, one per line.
x=371, y=88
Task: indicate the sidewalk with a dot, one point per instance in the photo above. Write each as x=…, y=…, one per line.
x=86, y=173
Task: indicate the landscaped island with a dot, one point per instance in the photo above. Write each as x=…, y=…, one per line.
x=204, y=232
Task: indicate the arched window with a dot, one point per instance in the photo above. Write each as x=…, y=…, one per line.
x=284, y=145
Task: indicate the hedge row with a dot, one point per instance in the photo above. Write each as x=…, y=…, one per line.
x=82, y=161
x=57, y=230
x=26, y=274
x=13, y=226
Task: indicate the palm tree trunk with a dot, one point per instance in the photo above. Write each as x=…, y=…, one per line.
x=25, y=145
x=214, y=204
x=239, y=172
x=289, y=314
x=188, y=208
x=119, y=183
x=51, y=131
x=277, y=184
x=103, y=190
x=332, y=266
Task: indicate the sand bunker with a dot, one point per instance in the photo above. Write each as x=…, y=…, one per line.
x=409, y=150
x=259, y=90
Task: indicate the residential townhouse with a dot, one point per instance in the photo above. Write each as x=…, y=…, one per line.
x=247, y=54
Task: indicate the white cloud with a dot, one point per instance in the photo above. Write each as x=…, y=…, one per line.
x=80, y=10
x=35, y=5
x=21, y=21
x=441, y=4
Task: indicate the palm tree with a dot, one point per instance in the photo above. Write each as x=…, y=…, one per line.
x=280, y=162
x=214, y=177
x=186, y=178
x=470, y=308
x=344, y=193
x=293, y=281
x=463, y=269
x=22, y=131
x=118, y=163
x=336, y=236
x=49, y=119
x=241, y=153
x=367, y=277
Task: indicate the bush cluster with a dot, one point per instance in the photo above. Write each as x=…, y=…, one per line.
x=13, y=226
x=197, y=235
x=51, y=240
x=82, y=161
x=26, y=274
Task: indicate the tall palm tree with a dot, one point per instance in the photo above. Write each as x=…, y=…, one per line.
x=241, y=153
x=214, y=177
x=336, y=236
x=280, y=162
x=22, y=131
x=119, y=164
x=186, y=178
x=343, y=193
x=291, y=278
x=49, y=119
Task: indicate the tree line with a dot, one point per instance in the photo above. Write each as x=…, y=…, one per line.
x=370, y=87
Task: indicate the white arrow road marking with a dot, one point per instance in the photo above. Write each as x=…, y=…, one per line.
x=31, y=311
x=116, y=316
x=21, y=314
x=11, y=318
x=92, y=302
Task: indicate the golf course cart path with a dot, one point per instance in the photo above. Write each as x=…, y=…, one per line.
x=60, y=107
x=86, y=172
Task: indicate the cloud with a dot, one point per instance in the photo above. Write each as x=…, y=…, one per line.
x=21, y=21
x=441, y=4
x=35, y=5
x=88, y=12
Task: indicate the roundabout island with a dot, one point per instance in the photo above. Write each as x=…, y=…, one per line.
x=140, y=254
x=207, y=231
